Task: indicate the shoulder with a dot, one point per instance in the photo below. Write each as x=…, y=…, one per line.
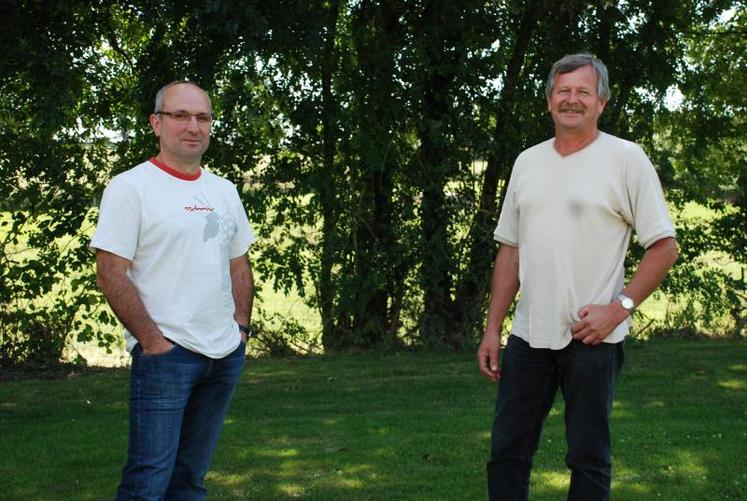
x=629, y=157
x=215, y=179
x=131, y=180
x=538, y=150
x=135, y=176
x=539, y=154
x=633, y=164
x=623, y=147
x=218, y=182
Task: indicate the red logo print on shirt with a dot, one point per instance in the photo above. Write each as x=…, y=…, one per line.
x=195, y=208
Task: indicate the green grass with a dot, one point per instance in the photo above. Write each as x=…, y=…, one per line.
x=400, y=426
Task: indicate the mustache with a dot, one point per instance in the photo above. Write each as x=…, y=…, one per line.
x=571, y=108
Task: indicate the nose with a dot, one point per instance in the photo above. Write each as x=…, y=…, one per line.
x=192, y=124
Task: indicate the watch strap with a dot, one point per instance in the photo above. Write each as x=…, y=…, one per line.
x=246, y=330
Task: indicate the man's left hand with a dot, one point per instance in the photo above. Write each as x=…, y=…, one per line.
x=597, y=321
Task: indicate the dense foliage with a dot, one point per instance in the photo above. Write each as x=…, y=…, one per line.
x=373, y=141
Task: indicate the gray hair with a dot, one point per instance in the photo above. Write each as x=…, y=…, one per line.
x=162, y=91
x=572, y=62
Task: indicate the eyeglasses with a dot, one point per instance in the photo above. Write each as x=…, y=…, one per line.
x=185, y=116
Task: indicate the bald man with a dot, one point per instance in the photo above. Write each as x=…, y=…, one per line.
x=171, y=244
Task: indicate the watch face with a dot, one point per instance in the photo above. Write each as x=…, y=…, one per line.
x=626, y=302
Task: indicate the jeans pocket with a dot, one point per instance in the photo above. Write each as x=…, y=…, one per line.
x=163, y=354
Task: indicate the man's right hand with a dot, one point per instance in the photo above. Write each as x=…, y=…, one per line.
x=503, y=288
x=157, y=347
x=487, y=356
x=112, y=279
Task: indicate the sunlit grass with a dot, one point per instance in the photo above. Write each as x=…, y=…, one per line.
x=734, y=384
x=412, y=426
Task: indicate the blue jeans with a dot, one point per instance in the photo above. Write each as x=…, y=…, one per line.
x=178, y=401
x=529, y=381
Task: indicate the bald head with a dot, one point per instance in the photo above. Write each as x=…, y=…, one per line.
x=162, y=92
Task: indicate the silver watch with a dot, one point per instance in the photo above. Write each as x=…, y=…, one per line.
x=626, y=302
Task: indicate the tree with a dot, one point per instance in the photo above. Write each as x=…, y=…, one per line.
x=379, y=135
x=705, y=137
x=49, y=167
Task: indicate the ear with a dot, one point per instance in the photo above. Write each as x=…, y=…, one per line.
x=155, y=124
x=602, y=105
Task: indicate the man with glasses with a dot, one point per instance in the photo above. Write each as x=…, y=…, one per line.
x=171, y=246
x=568, y=213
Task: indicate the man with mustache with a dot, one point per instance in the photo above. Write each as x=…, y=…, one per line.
x=571, y=205
x=171, y=246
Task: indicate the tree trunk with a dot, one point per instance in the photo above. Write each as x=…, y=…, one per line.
x=473, y=286
x=377, y=34
x=327, y=186
x=436, y=160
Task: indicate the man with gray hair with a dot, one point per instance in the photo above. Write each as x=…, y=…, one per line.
x=171, y=246
x=570, y=207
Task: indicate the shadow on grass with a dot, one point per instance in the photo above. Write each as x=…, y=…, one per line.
x=680, y=421
x=411, y=426
x=360, y=428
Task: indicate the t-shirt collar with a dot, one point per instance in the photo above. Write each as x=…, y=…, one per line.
x=174, y=172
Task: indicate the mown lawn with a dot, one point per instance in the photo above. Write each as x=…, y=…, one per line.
x=387, y=427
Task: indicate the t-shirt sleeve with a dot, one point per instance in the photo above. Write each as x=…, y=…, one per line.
x=507, y=231
x=244, y=236
x=647, y=206
x=119, y=220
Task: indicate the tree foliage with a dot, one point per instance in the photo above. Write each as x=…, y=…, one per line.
x=705, y=138
x=373, y=140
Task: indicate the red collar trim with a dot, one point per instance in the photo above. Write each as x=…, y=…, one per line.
x=174, y=172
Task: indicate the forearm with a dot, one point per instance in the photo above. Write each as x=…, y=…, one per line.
x=652, y=269
x=597, y=321
x=242, y=286
x=129, y=308
x=504, y=286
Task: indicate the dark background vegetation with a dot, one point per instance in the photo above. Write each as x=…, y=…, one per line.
x=372, y=141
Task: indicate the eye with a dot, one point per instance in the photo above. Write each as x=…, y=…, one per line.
x=181, y=116
x=204, y=118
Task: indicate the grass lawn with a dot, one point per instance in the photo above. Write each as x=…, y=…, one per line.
x=388, y=427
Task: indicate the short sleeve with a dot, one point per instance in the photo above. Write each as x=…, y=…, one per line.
x=244, y=236
x=648, y=208
x=507, y=231
x=119, y=220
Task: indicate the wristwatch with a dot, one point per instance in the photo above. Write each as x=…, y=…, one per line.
x=246, y=330
x=626, y=302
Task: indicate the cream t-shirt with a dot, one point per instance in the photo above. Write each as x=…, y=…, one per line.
x=571, y=219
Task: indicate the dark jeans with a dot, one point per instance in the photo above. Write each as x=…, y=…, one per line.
x=178, y=401
x=529, y=381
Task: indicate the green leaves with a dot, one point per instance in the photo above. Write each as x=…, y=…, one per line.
x=371, y=142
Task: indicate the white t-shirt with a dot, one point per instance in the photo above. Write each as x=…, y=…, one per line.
x=571, y=219
x=179, y=232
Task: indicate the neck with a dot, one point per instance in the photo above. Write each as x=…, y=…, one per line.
x=566, y=144
x=189, y=168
